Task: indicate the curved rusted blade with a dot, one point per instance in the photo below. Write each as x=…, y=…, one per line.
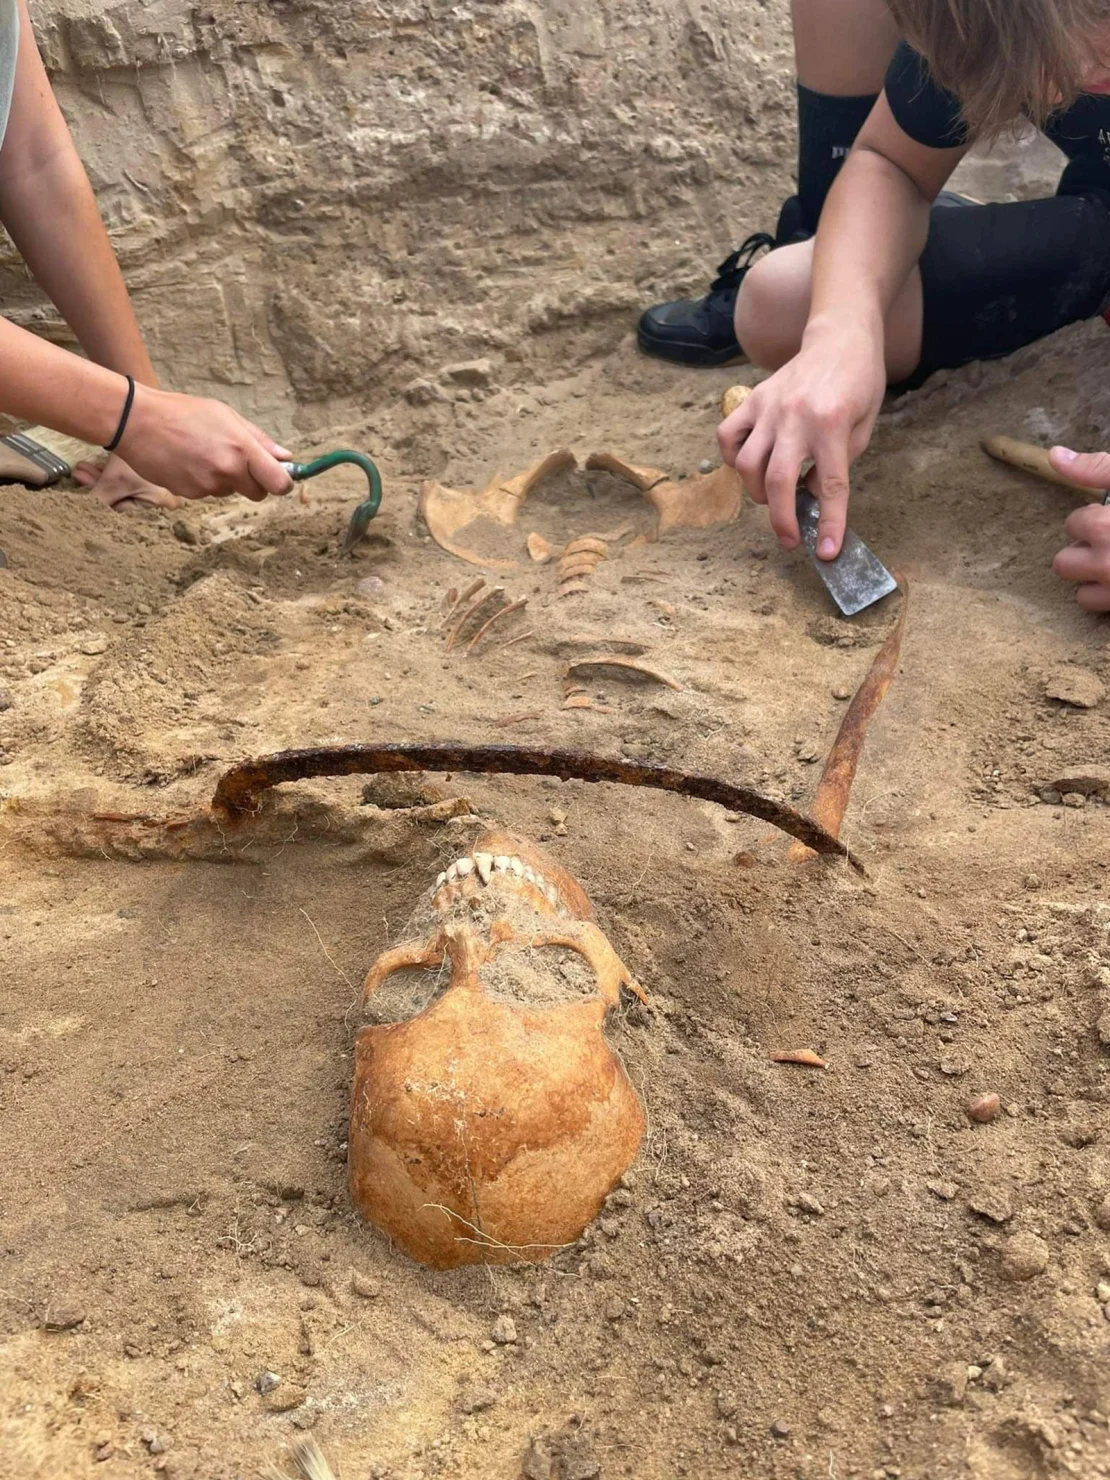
x=241, y=788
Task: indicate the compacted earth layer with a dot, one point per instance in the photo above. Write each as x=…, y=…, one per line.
x=808, y=1274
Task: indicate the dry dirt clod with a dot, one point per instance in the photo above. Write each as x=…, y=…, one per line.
x=504, y=1330
x=1024, y=1256
x=284, y=1399
x=1102, y=1028
x=366, y=1286
x=949, y=1385
x=984, y=1108
x=6, y=700
x=182, y=532
x=64, y=1315
x=1074, y=686
x=992, y=1203
x=1102, y=1214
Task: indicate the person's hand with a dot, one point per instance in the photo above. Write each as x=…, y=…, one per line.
x=1087, y=558
x=201, y=449
x=120, y=488
x=822, y=405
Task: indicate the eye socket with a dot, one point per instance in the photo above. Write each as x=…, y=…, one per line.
x=406, y=992
x=538, y=976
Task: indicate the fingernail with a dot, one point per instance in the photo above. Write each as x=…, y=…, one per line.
x=826, y=547
x=1065, y=454
x=283, y=453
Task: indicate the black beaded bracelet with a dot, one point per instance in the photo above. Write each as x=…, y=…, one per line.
x=114, y=443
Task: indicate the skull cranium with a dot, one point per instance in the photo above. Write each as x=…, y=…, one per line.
x=491, y=1126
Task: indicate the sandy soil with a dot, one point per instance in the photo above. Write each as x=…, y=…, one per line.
x=804, y=1267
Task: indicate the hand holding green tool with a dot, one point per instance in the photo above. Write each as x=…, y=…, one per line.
x=360, y=519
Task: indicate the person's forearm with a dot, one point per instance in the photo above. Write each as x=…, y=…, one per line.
x=50, y=212
x=44, y=384
x=872, y=232
x=74, y=262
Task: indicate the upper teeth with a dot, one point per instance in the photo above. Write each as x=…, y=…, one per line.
x=485, y=865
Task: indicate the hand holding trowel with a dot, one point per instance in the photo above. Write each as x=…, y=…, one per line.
x=856, y=579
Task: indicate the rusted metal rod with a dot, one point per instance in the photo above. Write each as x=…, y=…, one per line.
x=240, y=789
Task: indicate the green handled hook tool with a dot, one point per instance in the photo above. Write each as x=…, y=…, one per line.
x=360, y=519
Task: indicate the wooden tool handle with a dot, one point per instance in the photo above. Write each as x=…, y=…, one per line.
x=735, y=397
x=1028, y=459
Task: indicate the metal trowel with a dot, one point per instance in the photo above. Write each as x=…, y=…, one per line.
x=857, y=578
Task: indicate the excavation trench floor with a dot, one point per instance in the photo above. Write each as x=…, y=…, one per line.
x=804, y=1265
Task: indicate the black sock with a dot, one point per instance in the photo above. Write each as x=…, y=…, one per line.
x=827, y=129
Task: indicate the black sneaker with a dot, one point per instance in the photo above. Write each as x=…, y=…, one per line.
x=700, y=331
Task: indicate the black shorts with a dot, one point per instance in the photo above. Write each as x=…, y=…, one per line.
x=997, y=277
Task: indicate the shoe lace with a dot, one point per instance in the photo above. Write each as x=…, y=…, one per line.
x=731, y=272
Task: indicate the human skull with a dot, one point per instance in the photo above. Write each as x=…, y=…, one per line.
x=492, y=1124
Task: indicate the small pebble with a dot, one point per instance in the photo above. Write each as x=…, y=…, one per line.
x=984, y=1108
x=780, y=1429
x=1102, y=1214
x=706, y=466
x=284, y=1399
x=6, y=700
x=266, y=1382
x=182, y=532
x=842, y=694
x=93, y=645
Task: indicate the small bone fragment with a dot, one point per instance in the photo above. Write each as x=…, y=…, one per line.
x=830, y=801
x=1028, y=459
x=588, y=544
x=583, y=701
x=472, y=611
x=577, y=565
x=541, y=550
x=512, y=642
x=734, y=398
x=460, y=601
x=465, y=866
x=624, y=667
x=641, y=478
x=516, y=719
x=804, y=1056
x=483, y=862
x=513, y=606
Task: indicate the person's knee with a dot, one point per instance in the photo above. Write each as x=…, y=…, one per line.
x=772, y=306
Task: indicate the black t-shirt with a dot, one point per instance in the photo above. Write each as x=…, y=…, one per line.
x=931, y=115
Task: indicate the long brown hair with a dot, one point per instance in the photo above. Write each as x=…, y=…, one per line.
x=1006, y=58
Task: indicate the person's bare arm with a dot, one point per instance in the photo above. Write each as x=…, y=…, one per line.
x=823, y=404
x=48, y=208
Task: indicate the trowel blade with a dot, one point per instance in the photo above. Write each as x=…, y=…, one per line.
x=856, y=579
